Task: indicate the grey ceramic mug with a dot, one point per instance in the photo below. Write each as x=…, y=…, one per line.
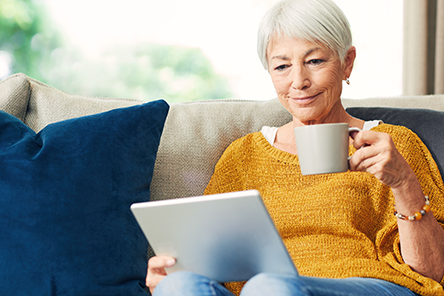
x=323, y=148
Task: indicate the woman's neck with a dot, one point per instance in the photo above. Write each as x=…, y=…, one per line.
x=285, y=139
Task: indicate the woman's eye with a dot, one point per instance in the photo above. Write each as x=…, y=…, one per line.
x=316, y=61
x=281, y=67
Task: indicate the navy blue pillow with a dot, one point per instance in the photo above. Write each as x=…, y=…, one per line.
x=65, y=193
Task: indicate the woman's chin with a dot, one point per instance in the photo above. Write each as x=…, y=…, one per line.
x=307, y=117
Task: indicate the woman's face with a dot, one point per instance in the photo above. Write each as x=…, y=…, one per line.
x=307, y=78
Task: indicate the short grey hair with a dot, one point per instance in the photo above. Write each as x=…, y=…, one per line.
x=318, y=21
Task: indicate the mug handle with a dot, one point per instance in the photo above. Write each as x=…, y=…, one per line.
x=352, y=131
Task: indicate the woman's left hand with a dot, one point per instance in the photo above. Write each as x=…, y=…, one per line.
x=376, y=154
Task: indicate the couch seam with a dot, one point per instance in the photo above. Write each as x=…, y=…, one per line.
x=23, y=116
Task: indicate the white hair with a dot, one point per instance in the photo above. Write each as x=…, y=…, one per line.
x=318, y=21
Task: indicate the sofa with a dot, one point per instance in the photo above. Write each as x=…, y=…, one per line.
x=193, y=137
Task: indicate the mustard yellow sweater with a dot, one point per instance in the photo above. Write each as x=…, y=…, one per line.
x=333, y=225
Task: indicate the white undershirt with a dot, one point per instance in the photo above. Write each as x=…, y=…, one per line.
x=270, y=132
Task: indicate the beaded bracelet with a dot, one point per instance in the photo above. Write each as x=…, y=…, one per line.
x=417, y=215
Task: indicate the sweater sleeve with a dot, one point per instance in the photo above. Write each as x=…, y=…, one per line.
x=421, y=161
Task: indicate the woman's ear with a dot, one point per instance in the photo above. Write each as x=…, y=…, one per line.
x=349, y=61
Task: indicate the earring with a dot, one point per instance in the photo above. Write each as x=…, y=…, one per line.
x=347, y=81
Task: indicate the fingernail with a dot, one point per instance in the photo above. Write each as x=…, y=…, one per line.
x=170, y=262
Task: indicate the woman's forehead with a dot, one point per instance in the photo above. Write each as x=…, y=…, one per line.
x=280, y=45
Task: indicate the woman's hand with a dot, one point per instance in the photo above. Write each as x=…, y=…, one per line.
x=156, y=270
x=378, y=156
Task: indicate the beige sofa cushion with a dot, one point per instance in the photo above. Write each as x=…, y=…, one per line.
x=14, y=94
x=195, y=136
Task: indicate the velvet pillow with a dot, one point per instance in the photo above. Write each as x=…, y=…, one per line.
x=65, y=193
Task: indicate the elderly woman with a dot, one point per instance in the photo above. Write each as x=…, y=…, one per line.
x=339, y=229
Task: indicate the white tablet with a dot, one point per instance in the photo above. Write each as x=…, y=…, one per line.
x=226, y=237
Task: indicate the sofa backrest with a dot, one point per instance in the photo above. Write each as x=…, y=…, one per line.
x=197, y=133
x=195, y=136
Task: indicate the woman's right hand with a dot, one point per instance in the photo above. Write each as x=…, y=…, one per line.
x=156, y=270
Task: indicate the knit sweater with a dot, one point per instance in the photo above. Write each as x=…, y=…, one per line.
x=333, y=225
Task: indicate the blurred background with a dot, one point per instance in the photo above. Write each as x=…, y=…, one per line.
x=178, y=50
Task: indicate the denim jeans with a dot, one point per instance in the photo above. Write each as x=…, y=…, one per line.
x=190, y=284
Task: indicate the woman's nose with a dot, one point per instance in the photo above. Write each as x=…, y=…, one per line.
x=300, y=79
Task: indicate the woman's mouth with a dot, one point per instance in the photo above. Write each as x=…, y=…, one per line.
x=305, y=100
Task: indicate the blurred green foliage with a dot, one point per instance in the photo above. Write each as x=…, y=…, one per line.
x=26, y=38
x=31, y=44
x=145, y=71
